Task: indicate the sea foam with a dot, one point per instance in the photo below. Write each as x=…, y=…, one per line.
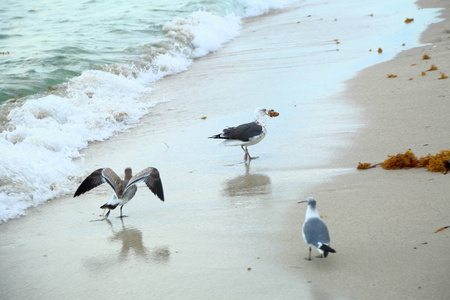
x=46, y=134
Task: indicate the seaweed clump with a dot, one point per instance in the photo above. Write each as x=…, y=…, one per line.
x=440, y=162
x=401, y=161
x=363, y=166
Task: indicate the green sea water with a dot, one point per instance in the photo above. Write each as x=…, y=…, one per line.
x=45, y=43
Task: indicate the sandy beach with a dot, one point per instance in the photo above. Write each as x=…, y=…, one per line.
x=383, y=220
x=230, y=230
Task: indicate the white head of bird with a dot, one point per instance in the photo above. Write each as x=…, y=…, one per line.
x=311, y=211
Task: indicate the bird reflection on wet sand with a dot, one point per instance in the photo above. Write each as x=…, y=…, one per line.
x=248, y=184
x=131, y=239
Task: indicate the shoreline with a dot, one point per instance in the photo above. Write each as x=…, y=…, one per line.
x=238, y=229
x=382, y=222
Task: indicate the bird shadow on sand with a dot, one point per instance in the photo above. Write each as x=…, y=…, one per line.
x=247, y=184
x=132, y=243
x=132, y=248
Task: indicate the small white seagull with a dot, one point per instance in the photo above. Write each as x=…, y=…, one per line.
x=247, y=134
x=124, y=190
x=315, y=232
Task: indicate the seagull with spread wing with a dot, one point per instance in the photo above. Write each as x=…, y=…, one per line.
x=124, y=190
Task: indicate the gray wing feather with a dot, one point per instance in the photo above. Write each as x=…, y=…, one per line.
x=315, y=232
x=113, y=180
x=90, y=182
x=97, y=178
x=151, y=178
x=243, y=132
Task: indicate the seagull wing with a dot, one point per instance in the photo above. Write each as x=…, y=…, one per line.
x=90, y=182
x=243, y=132
x=151, y=178
x=114, y=181
x=316, y=232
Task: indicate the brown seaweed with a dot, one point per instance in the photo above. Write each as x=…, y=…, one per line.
x=439, y=162
x=401, y=161
x=432, y=68
x=363, y=166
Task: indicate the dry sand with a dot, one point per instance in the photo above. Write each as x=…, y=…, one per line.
x=231, y=231
x=382, y=222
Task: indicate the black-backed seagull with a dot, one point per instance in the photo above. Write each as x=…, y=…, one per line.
x=315, y=232
x=124, y=190
x=247, y=134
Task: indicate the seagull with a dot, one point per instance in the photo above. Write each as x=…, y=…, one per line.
x=247, y=134
x=315, y=232
x=124, y=190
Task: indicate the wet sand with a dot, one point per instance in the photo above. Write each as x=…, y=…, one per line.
x=232, y=231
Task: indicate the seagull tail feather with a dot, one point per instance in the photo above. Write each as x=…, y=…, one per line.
x=109, y=206
x=217, y=136
x=326, y=249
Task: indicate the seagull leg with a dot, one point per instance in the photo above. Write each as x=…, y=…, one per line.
x=246, y=152
x=249, y=157
x=107, y=214
x=121, y=216
x=309, y=254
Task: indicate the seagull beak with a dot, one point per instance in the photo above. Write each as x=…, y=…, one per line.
x=273, y=113
x=302, y=202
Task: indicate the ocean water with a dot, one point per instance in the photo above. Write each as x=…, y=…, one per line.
x=74, y=73
x=44, y=44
